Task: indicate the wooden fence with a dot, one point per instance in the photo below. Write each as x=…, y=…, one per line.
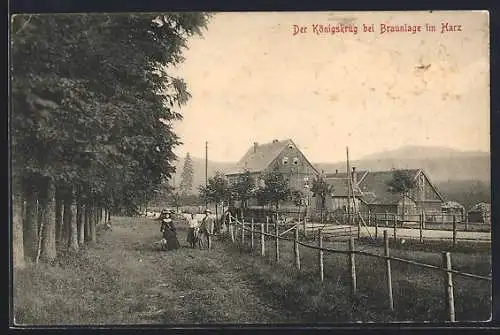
x=263, y=231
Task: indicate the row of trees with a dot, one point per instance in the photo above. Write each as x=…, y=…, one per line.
x=272, y=190
x=91, y=121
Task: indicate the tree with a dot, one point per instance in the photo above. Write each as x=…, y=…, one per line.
x=186, y=184
x=216, y=190
x=243, y=189
x=401, y=183
x=92, y=109
x=321, y=189
x=275, y=188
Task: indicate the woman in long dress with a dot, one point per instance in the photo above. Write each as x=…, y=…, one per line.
x=169, y=233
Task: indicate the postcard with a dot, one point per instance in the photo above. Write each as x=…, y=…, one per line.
x=250, y=168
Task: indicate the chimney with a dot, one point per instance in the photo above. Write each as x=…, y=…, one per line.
x=255, y=145
x=336, y=171
x=354, y=176
x=275, y=141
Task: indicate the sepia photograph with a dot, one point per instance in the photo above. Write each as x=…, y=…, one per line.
x=242, y=168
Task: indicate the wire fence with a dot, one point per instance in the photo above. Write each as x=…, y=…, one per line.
x=239, y=230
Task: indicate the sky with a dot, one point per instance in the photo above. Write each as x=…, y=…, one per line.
x=253, y=80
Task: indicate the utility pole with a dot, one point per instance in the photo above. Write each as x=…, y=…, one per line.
x=348, y=188
x=206, y=171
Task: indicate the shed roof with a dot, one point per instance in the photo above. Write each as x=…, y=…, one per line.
x=340, y=187
x=452, y=204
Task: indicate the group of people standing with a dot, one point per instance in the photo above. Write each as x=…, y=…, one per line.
x=197, y=232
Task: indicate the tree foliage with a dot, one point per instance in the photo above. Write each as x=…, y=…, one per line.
x=275, y=188
x=401, y=183
x=243, y=188
x=321, y=189
x=186, y=184
x=216, y=190
x=93, y=100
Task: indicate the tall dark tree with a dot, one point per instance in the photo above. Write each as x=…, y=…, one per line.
x=186, y=184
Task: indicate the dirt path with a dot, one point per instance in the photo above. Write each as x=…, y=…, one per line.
x=180, y=286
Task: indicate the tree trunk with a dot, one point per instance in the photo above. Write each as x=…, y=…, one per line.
x=70, y=222
x=30, y=224
x=17, y=228
x=109, y=215
x=92, y=221
x=48, y=250
x=58, y=214
x=80, y=223
x=87, y=220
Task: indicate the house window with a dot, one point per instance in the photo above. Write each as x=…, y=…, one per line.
x=285, y=160
x=296, y=160
x=290, y=147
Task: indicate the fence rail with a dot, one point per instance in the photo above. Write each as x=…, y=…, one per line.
x=351, y=252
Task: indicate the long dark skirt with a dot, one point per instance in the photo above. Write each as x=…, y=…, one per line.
x=191, y=238
x=172, y=241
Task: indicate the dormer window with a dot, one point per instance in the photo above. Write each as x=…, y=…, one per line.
x=296, y=160
x=285, y=160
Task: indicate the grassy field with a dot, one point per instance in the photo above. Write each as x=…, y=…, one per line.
x=124, y=280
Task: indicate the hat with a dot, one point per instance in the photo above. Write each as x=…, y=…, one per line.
x=208, y=211
x=164, y=211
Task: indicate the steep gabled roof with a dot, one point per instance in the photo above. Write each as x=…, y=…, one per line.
x=258, y=159
x=375, y=185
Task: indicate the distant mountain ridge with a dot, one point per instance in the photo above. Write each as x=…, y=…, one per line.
x=441, y=164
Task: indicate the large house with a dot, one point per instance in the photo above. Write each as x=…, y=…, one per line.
x=371, y=192
x=284, y=155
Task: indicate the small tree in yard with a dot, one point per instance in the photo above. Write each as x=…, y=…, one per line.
x=243, y=189
x=401, y=183
x=274, y=190
x=321, y=189
x=216, y=190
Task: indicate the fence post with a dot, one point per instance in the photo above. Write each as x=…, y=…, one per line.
x=251, y=235
x=454, y=231
x=262, y=240
x=276, y=230
x=395, y=227
x=369, y=218
x=305, y=226
x=423, y=220
x=352, y=265
x=376, y=226
x=466, y=221
x=231, y=228
x=448, y=287
x=296, y=247
x=388, y=270
x=242, y=233
x=320, y=255
x=267, y=224
x=386, y=219
x=359, y=228
x=421, y=227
